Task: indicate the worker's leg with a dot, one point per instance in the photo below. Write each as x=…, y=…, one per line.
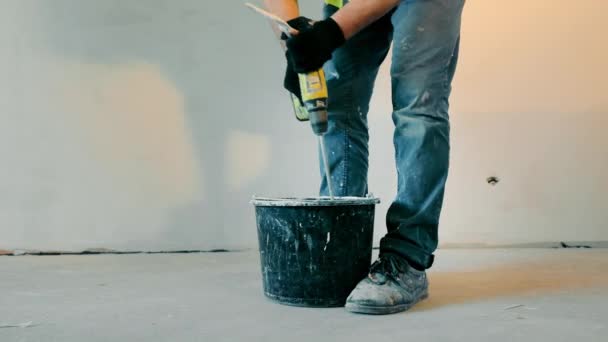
x=425, y=50
x=350, y=80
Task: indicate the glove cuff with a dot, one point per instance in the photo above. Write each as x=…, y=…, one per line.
x=333, y=33
x=300, y=23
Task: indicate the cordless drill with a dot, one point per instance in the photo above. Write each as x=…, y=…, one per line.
x=314, y=97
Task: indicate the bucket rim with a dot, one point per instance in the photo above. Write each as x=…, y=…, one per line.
x=322, y=201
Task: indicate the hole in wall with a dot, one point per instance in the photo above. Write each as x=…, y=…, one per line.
x=493, y=180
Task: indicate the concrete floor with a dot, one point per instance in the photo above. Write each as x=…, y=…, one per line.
x=476, y=295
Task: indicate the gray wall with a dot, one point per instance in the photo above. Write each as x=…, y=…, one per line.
x=149, y=125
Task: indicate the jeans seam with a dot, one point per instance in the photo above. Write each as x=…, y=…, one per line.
x=446, y=81
x=351, y=111
x=347, y=130
x=446, y=69
x=347, y=133
x=344, y=184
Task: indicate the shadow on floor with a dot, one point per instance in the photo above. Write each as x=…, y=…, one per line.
x=525, y=278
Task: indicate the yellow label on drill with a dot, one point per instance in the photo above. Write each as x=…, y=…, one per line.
x=313, y=85
x=337, y=3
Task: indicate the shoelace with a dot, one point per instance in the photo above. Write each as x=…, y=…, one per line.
x=389, y=265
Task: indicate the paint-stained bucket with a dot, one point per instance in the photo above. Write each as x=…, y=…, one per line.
x=314, y=251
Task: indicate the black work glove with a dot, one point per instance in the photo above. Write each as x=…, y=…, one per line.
x=291, y=81
x=312, y=47
x=300, y=24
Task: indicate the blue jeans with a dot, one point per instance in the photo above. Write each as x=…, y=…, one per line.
x=425, y=36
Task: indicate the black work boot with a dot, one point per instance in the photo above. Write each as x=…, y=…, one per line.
x=391, y=286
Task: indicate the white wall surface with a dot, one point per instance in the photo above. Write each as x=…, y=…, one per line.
x=150, y=124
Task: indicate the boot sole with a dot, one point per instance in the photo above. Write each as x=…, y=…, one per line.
x=382, y=310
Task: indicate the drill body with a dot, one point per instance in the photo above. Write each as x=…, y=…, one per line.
x=314, y=96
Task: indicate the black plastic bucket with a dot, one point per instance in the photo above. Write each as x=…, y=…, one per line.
x=314, y=251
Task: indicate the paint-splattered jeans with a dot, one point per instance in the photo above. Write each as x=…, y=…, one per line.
x=425, y=36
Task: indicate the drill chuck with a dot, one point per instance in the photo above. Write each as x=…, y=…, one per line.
x=318, y=121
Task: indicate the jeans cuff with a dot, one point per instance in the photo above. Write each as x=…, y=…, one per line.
x=413, y=254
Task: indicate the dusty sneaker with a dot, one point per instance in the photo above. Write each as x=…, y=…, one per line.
x=391, y=286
